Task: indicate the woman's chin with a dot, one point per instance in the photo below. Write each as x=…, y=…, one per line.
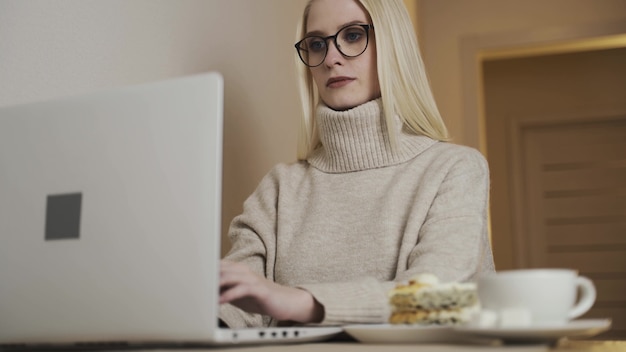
x=345, y=104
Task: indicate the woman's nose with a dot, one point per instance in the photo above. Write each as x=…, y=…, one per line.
x=333, y=55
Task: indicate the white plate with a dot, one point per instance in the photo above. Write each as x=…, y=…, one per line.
x=388, y=333
x=575, y=328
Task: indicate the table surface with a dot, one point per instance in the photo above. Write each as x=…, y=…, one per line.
x=565, y=345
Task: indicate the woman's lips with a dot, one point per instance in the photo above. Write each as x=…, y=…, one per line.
x=337, y=82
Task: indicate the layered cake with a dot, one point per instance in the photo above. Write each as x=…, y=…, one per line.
x=424, y=300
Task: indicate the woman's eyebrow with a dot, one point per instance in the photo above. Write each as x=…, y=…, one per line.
x=321, y=33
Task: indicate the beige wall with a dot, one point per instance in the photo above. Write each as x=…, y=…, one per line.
x=65, y=47
x=444, y=24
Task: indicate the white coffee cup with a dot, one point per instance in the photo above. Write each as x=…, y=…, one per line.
x=544, y=296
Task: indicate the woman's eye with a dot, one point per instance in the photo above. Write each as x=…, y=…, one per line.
x=353, y=36
x=316, y=45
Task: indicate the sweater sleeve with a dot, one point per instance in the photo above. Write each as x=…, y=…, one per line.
x=361, y=301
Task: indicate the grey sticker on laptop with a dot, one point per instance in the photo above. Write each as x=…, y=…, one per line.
x=63, y=216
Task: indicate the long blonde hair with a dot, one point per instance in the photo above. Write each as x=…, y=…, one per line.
x=404, y=86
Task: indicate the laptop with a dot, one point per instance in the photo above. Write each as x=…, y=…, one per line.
x=110, y=211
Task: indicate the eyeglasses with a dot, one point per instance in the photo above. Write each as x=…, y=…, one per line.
x=351, y=41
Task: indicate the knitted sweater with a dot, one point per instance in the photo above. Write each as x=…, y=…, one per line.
x=357, y=216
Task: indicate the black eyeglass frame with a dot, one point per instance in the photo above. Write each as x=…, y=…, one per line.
x=367, y=28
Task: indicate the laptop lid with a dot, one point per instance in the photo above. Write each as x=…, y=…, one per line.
x=110, y=219
x=110, y=214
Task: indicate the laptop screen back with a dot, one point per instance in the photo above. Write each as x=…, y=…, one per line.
x=110, y=214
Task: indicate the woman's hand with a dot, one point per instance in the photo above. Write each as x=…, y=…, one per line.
x=253, y=293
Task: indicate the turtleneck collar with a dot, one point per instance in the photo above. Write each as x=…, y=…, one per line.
x=357, y=139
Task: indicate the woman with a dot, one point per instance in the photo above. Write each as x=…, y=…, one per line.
x=377, y=195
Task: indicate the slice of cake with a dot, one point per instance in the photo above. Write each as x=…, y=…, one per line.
x=424, y=300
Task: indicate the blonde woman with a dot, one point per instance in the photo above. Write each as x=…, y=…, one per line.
x=378, y=194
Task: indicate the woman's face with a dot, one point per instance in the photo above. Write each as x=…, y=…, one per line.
x=343, y=82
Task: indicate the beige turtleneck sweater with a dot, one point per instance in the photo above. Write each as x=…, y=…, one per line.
x=358, y=216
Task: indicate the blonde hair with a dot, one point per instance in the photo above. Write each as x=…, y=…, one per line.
x=404, y=86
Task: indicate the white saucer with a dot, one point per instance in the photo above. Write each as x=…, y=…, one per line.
x=574, y=328
x=388, y=333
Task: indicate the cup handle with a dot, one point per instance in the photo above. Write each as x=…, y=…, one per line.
x=587, y=297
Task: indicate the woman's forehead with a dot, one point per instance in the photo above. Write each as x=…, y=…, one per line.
x=329, y=16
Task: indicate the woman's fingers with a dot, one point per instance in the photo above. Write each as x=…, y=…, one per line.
x=235, y=273
x=242, y=287
x=238, y=281
x=234, y=293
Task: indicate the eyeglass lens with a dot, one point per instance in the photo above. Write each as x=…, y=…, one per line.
x=350, y=41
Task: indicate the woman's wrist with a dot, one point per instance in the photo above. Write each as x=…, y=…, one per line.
x=307, y=309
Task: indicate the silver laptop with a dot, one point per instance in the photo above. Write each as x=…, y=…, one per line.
x=110, y=220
